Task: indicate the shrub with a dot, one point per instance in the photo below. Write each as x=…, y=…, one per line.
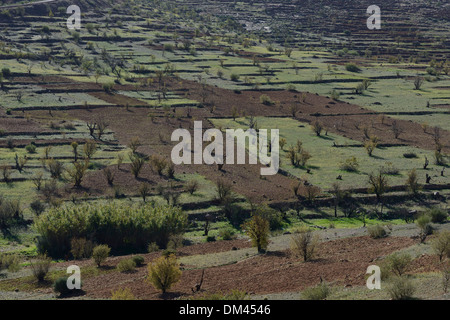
x=265, y=99
x=359, y=89
x=335, y=95
x=10, y=213
x=126, y=265
x=152, y=247
x=377, y=231
x=168, y=252
x=438, y=215
x=158, y=164
x=350, y=165
x=317, y=127
x=352, y=67
x=81, y=248
x=37, y=207
x=60, y=286
x=76, y=174
x=31, y=148
x=40, y=267
x=120, y=226
x=55, y=167
x=398, y=263
x=224, y=191
x=401, y=288
x=210, y=238
x=192, y=186
x=304, y=243
x=144, y=190
x=164, y=273
x=138, y=260
x=108, y=87
x=227, y=234
x=109, y=175
x=412, y=183
x=441, y=245
x=234, y=77
x=424, y=224
x=418, y=81
x=100, y=254
x=274, y=217
x=257, y=228
x=9, y=262
x=319, y=292
x=175, y=242
x=168, y=47
x=122, y=294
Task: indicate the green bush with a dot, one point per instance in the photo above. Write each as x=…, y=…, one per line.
x=10, y=213
x=350, y=165
x=319, y=292
x=152, y=247
x=31, y=148
x=138, y=260
x=175, y=242
x=81, y=248
x=126, y=265
x=441, y=245
x=37, y=207
x=122, y=294
x=40, y=267
x=60, y=286
x=265, y=99
x=234, y=77
x=352, y=67
x=168, y=252
x=122, y=227
x=227, y=234
x=398, y=263
x=164, y=272
x=424, y=224
x=400, y=288
x=438, y=215
x=376, y=231
x=100, y=254
x=274, y=217
x=9, y=262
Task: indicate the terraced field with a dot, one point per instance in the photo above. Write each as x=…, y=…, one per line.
x=87, y=116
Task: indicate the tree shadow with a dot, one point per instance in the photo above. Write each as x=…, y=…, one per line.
x=170, y=295
x=72, y=294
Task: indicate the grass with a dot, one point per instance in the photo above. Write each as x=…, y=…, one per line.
x=28, y=283
x=326, y=159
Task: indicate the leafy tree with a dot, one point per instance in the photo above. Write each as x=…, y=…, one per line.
x=257, y=228
x=164, y=273
x=378, y=185
x=100, y=254
x=317, y=127
x=412, y=183
x=441, y=245
x=304, y=243
x=77, y=173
